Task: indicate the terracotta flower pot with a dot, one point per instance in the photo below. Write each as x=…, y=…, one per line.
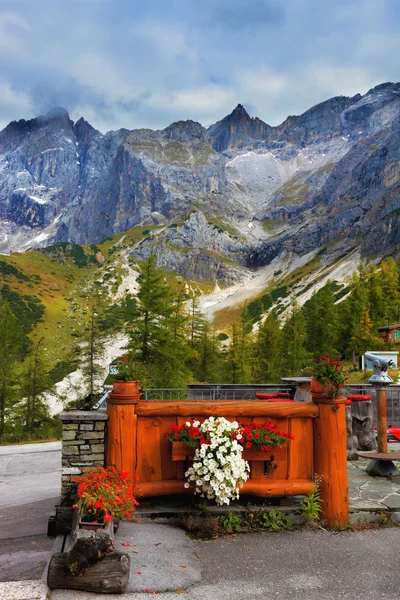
x=318, y=389
x=125, y=388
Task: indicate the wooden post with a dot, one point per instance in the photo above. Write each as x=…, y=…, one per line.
x=121, y=431
x=382, y=420
x=330, y=460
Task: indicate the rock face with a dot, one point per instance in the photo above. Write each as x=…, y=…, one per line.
x=224, y=199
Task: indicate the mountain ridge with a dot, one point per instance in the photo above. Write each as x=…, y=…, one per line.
x=242, y=191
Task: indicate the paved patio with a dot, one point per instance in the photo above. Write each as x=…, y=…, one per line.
x=373, y=499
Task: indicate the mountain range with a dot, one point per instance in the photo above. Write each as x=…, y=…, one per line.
x=218, y=202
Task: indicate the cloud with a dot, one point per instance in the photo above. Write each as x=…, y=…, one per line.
x=341, y=80
x=14, y=105
x=126, y=63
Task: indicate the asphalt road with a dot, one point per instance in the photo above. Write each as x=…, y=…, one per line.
x=30, y=477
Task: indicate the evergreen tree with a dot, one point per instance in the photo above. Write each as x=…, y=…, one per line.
x=268, y=349
x=93, y=345
x=158, y=333
x=239, y=354
x=320, y=313
x=294, y=339
x=351, y=312
x=35, y=411
x=13, y=342
x=363, y=338
x=390, y=293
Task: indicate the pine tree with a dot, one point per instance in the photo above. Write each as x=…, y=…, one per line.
x=155, y=305
x=93, y=347
x=320, y=313
x=363, y=338
x=35, y=411
x=294, y=339
x=268, y=349
x=158, y=333
x=239, y=354
x=13, y=342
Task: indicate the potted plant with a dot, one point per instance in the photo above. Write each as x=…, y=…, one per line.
x=328, y=377
x=125, y=382
x=104, y=495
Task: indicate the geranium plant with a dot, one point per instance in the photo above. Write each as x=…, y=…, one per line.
x=219, y=470
x=127, y=370
x=104, y=494
x=330, y=373
x=262, y=436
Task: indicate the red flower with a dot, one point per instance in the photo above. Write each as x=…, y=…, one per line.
x=248, y=445
x=124, y=360
x=257, y=435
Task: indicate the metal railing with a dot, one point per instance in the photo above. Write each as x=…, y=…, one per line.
x=392, y=400
x=212, y=392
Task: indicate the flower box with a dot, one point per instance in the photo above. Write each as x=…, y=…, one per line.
x=181, y=451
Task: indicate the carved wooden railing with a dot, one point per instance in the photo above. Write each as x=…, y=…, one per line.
x=137, y=441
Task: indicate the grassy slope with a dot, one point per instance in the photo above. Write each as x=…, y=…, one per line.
x=66, y=289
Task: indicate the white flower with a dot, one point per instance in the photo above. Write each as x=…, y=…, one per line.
x=218, y=469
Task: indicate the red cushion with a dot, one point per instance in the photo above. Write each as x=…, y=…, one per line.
x=265, y=396
x=283, y=394
x=359, y=397
x=348, y=403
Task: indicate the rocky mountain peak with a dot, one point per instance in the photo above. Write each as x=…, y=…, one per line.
x=186, y=131
x=237, y=130
x=84, y=130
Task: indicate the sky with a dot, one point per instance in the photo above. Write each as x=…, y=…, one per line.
x=148, y=63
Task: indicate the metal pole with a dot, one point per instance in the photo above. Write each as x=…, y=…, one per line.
x=382, y=420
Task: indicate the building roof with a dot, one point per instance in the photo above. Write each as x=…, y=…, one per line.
x=389, y=327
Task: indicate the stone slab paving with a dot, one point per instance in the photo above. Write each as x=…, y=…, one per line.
x=372, y=499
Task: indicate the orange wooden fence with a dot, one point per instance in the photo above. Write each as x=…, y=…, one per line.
x=137, y=441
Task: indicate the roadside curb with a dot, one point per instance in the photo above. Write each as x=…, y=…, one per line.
x=24, y=590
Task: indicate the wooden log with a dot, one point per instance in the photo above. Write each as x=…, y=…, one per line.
x=121, y=436
x=228, y=409
x=89, y=546
x=362, y=415
x=110, y=575
x=351, y=439
x=382, y=420
x=267, y=488
x=257, y=487
x=330, y=460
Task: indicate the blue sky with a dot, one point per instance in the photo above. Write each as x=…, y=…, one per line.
x=147, y=63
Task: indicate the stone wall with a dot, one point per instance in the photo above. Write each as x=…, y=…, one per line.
x=83, y=444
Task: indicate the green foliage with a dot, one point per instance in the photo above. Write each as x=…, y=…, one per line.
x=268, y=351
x=294, y=339
x=7, y=269
x=275, y=521
x=61, y=369
x=32, y=410
x=230, y=522
x=78, y=254
x=28, y=310
x=157, y=332
x=311, y=505
x=321, y=317
x=13, y=342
